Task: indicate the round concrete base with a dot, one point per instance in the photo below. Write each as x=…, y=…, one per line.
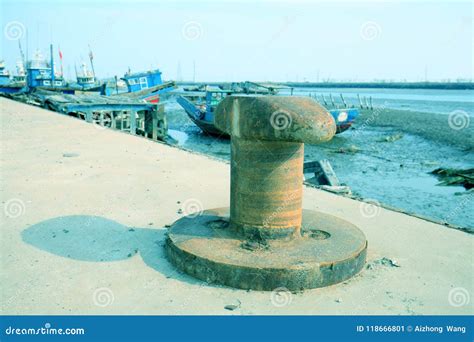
x=330, y=250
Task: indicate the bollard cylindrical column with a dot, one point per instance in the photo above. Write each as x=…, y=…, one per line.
x=266, y=191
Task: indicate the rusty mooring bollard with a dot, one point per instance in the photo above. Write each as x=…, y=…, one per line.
x=268, y=241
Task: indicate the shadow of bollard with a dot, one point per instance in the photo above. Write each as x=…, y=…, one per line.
x=97, y=239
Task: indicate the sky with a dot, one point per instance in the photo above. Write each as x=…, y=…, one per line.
x=249, y=40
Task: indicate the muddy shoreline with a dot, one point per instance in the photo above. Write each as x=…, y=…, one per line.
x=432, y=126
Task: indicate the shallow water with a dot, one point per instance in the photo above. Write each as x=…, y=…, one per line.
x=394, y=173
x=423, y=100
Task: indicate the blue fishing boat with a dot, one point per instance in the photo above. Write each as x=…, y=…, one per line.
x=147, y=86
x=344, y=118
x=12, y=84
x=41, y=74
x=200, y=107
x=86, y=79
x=4, y=74
x=20, y=77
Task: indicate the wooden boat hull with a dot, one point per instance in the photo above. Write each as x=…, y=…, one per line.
x=344, y=118
x=349, y=114
x=206, y=126
x=152, y=95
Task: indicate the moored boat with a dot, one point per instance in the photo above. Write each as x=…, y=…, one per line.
x=86, y=79
x=7, y=84
x=344, y=118
x=4, y=74
x=20, y=76
x=200, y=107
x=146, y=86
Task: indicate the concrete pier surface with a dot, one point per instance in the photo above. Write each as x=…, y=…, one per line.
x=84, y=216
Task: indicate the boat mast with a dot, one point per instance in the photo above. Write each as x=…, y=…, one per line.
x=27, y=51
x=61, y=60
x=22, y=55
x=91, y=58
x=52, y=62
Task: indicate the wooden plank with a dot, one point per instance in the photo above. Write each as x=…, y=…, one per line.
x=323, y=172
x=113, y=122
x=133, y=122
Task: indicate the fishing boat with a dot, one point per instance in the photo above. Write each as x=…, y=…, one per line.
x=41, y=74
x=200, y=107
x=255, y=88
x=6, y=84
x=4, y=74
x=86, y=79
x=344, y=118
x=147, y=86
x=20, y=76
x=12, y=84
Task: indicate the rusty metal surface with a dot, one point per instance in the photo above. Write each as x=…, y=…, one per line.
x=275, y=118
x=267, y=152
x=266, y=187
x=329, y=250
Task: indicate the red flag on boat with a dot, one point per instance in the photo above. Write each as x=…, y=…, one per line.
x=61, y=58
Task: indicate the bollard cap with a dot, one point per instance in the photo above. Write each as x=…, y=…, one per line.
x=275, y=118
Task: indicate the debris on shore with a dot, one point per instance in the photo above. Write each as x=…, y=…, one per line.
x=349, y=149
x=324, y=177
x=455, y=177
x=383, y=262
x=232, y=307
x=323, y=173
x=391, y=138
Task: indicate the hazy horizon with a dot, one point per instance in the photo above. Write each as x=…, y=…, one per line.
x=238, y=40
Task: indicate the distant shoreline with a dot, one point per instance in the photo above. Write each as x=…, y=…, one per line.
x=377, y=85
x=388, y=85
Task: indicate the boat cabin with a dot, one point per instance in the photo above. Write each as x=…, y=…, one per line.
x=20, y=77
x=40, y=73
x=86, y=78
x=142, y=80
x=4, y=74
